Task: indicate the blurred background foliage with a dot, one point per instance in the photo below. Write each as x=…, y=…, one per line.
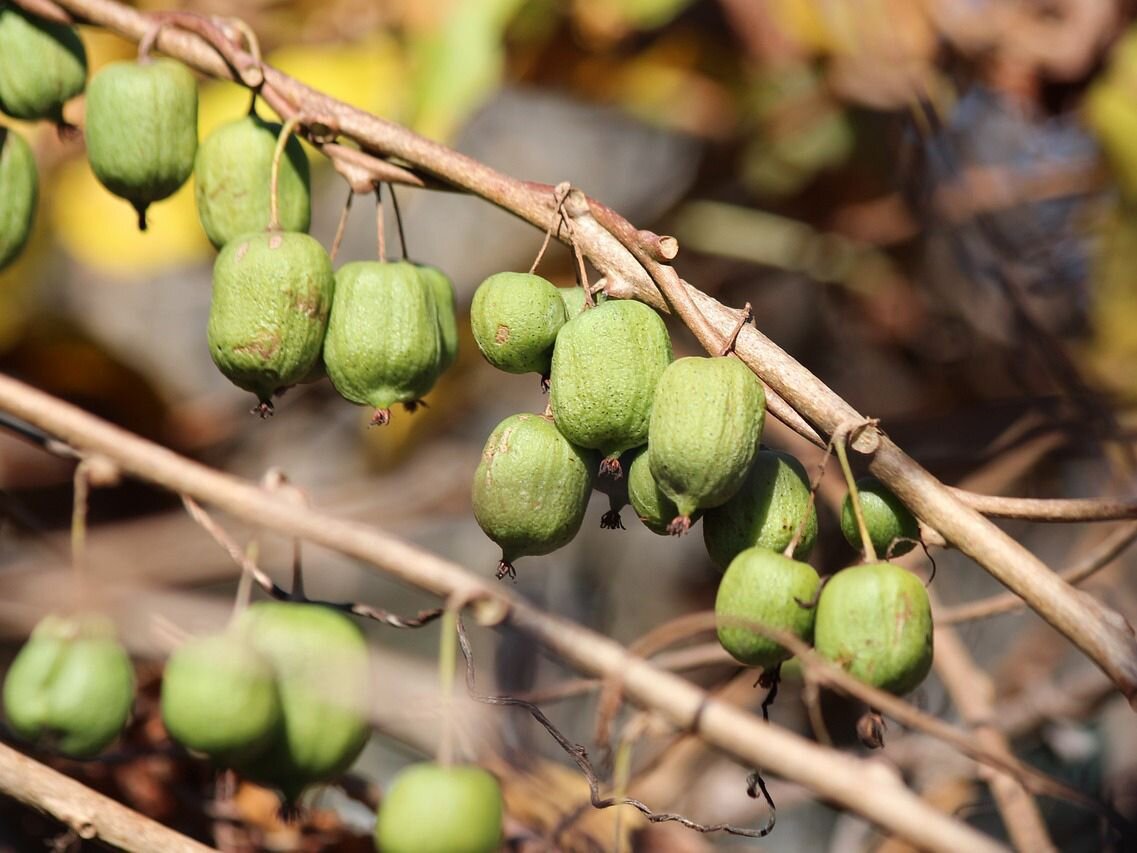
x=930, y=203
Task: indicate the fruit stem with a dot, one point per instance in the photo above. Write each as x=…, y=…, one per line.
x=799, y=531
x=297, y=593
x=81, y=492
x=839, y=439
x=342, y=226
x=245, y=584
x=398, y=221
x=273, y=189
x=447, y=657
x=380, y=226
x=621, y=775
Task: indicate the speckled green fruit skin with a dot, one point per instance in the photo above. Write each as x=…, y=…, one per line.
x=42, y=65
x=383, y=344
x=887, y=519
x=655, y=509
x=705, y=427
x=765, y=511
x=142, y=129
x=272, y=294
x=233, y=178
x=515, y=318
x=434, y=809
x=605, y=369
x=531, y=487
x=575, y=303
x=760, y=586
x=875, y=622
x=19, y=189
x=71, y=687
x=324, y=681
x=219, y=697
x=445, y=303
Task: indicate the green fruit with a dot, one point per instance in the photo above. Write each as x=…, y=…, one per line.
x=42, y=65
x=19, y=189
x=875, y=622
x=890, y=524
x=765, y=511
x=383, y=344
x=323, y=677
x=219, y=697
x=142, y=129
x=71, y=687
x=704, y=432
x=430, y=808
x=655, y=509
x=272, y=293
x=762, y=587
x=575, y=303
x=605, y=369
x=515, y=318
x=233, y=180
x=531, y=488
x=444, y=301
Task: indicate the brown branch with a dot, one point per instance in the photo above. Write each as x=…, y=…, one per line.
x=1050, y=509
x=1108, y=550
x=972, y=694
x=873, y=791
x=89, y=814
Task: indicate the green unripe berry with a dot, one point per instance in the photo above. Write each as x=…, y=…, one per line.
x=575, y=302
x=323, y=678
x=233, y=180
x=272, y=294
x=384, y=345
x=219, y=697
x=531, y=488
x=71, y=687
x=142, y=129
x=42, y=65
x=445, y=303
x=890, y=524
x=766, y=589
x=705, y=427
x=655, y=509
x=605, y=368
x=430, y=808
x=19, y=189
x=766, y=511
x=515, y=318
x=875, y=622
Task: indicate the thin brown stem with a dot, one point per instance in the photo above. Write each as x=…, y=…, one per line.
x=274, y=194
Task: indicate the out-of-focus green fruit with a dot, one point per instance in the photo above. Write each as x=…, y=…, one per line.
x=384, y=344
x=71, y=687
x=323, y=678
x=605, y=368
x=531, y=488
x=890, y=524
x=655, y=509
x=875, y=622
x=19, y=192
x=763, y=588
x=515, y=318
x=233, y=180
x=766, y=511
x=430, y=808
x=272, y=294
x=705, y=427
x=219, y=697
x=142, y=129
x=42, y=65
